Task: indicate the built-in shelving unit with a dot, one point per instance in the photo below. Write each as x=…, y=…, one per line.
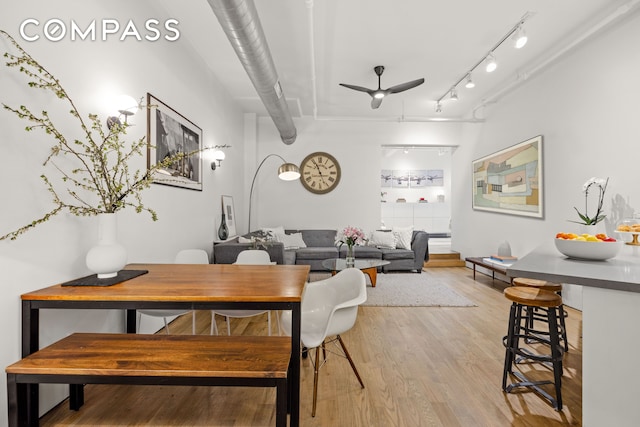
x=431, y=217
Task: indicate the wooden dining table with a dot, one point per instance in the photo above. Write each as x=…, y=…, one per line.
x=177, y=286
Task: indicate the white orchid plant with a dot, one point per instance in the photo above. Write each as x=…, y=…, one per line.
x=601, y=185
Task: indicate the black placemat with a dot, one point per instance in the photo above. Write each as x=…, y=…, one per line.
x=93, y=280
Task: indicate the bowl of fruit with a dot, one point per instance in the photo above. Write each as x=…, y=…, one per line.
x=598, y=247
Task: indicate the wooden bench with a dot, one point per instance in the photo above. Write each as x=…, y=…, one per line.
x=200, y=360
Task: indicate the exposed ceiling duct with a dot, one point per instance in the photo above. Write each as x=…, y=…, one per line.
x=240, y=22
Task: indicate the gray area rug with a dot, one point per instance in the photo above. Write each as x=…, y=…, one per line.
x=410, y=290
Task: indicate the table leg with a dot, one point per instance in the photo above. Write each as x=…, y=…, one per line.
x=474, y=271
x=372, y=273
x=131, y=319
x=294, y=368
x=30, y=344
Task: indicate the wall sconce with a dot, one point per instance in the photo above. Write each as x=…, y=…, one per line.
x=127, y=106
x=218, y=156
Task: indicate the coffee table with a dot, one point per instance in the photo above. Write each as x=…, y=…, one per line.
x=367, y=266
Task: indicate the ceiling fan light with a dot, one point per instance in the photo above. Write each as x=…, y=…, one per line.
x=519, y=38
x=454, y=94
x=491, y=64
x=378, y=95
x=469, y=84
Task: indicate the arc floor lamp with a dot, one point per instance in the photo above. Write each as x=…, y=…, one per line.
x=286, y=172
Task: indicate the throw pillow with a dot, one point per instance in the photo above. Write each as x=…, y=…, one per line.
x=293, y=241
x=382, y=239
x=243, y=240
x=276, y=233
x=403, y=236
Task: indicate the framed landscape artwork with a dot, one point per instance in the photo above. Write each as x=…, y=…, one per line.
x=510, y=181
x=170, y=133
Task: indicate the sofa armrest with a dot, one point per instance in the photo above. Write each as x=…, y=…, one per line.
x=420, y=247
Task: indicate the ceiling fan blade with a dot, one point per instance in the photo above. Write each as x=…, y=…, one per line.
x=375, y=102
x=358, y=88
x=404, y=86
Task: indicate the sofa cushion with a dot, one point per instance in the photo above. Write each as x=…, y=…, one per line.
x=362, y=252
x=319, y=238
x=391, y=254
x=316, y=253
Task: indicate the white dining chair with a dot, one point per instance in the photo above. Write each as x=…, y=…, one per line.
x=186, y=256
x=329, y=308
x=246, y=257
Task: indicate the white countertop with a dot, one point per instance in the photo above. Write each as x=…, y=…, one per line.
x=545, y=262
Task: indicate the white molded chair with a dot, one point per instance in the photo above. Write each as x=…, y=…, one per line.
x=186, y=256
x=247, y=257
x=329, y=308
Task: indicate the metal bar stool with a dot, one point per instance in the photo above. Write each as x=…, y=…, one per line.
x=541, y=314
x=526, y=297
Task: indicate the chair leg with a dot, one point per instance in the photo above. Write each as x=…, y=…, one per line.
x=269, y=321
x=166, y=325
x=228, y=326
x=193, y=322
x=316, y=366
x=214, y=326
x=353, y=366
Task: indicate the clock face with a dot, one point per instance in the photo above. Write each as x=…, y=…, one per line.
x=320, y=172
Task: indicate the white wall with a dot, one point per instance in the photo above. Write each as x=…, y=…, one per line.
x=357, y=147
x=586, y=108
x=92, y=72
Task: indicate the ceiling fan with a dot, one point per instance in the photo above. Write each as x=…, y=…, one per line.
x=379, y=94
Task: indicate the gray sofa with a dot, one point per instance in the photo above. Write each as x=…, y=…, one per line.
x=321, y=245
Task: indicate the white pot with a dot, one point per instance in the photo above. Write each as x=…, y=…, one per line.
x=108, y=256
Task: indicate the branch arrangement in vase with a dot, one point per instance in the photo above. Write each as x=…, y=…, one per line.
x=100, y=180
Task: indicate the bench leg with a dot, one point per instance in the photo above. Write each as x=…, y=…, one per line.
x=76, y=396
x=281, y=403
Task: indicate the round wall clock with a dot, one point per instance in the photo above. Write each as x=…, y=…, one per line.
x=320, y=172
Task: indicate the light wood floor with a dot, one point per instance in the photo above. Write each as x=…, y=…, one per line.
x=422, y=366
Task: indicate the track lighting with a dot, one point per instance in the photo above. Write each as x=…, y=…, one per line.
x=516, y=33
x=469, y=84
x=491, y=63
x=519, y=38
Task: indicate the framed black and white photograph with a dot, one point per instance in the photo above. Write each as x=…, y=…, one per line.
x=385, y=178
x=169, y=133
x=230, y=214
x=400, y=179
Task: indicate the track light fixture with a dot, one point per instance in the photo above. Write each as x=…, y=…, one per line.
x=491, y=63
x=469, y=84
x=519, y=38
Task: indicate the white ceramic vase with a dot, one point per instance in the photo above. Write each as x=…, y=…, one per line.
x=107, y=257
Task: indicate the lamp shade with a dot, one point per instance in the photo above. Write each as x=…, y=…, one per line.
x=288, y=172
